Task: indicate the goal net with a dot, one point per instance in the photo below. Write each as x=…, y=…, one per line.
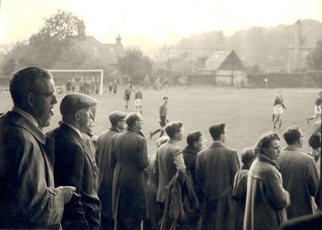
x=88, y=81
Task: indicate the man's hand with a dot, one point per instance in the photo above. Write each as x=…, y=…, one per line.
x=68, y=191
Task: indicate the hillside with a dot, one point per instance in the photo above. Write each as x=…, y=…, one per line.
x=265, y=47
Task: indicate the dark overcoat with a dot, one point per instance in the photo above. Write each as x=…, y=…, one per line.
x=73, y=166
x=215, y=171
x=190, y=158
x=129, y=180
x=103, y=153
x=300, y=179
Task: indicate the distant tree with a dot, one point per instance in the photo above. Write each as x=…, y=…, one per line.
x=53, y=39
x=255, y=69
x=135, y=64
x=314, y=59
x=9, y=66
x=201, y=62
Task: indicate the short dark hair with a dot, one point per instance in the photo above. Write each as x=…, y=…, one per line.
x=24, y=80
x=248, y=155
x=172, y=128
x=216, y=130
x=292, y=134
x=193, y=137
x=131, y=118
x=165, y=98
x=264, y=141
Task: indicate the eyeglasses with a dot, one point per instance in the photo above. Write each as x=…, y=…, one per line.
x=51, y=95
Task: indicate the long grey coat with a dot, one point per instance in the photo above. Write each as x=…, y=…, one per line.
x=266, y=198
x=28, y=198
x=215, y=171
x=129, y=181
x=300, y=179
x=168, y=163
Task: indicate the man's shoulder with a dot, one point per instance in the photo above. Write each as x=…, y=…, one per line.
x=16, y=123
x=223, y=148
x=107, y=134
x=63, y=134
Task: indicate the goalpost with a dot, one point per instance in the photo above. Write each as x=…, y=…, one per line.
x=82, y=71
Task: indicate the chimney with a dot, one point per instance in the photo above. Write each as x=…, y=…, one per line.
x=297, y=44
x=81, y=30
x=118, y=40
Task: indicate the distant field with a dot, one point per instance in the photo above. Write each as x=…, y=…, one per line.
x=246, y=112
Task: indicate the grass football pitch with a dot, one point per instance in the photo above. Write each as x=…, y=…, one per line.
x=246, y=112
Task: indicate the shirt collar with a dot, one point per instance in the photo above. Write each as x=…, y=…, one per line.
x=25, y=115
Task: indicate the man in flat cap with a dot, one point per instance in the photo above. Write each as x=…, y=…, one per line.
x=215, y=171
x=129, y=152
x=103, y=153
x=73, y=165
x=28, y=198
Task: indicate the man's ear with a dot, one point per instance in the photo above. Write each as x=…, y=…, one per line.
x=77, y=116
x=30, y=99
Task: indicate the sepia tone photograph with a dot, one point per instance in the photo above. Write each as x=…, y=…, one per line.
x=160, y=114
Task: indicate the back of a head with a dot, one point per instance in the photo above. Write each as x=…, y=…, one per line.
x=116, y=116
x=25, y=80
x=172, y=128
x=248, y=156
x=193, y=137
x=292, y=134
x=216, y=130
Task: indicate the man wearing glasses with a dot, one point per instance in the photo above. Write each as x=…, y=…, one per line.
x=130, y=157
x=299, y=173
x=28, y=198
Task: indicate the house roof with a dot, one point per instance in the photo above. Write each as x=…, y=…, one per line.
x=108, y=52
x=224, y=60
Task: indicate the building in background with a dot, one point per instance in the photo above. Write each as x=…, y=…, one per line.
x=300, y=49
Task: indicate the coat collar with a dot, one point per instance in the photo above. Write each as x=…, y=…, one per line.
x=264, y=158
x=135, y=130
x=189, y=149
x=21, y=121
x=73, y=132
x=216, y=144
x=291, y=148
x=114, y=129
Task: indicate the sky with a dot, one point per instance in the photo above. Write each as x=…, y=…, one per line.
x=153, y=22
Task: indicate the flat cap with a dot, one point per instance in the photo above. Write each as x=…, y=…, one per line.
x=73, y=102
x=116, y=116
